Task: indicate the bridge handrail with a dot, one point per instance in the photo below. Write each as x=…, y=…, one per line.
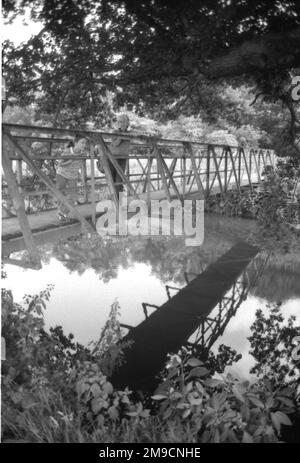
x=129, y=136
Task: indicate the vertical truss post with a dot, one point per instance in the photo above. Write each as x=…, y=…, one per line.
x=184, y=174
x=226, y=169
x=239, y=167
x=148, y=179
x=93, y=195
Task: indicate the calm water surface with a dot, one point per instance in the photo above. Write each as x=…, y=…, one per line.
x=89, y=275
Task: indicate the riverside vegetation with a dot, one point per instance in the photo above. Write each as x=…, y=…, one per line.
x=56, y=390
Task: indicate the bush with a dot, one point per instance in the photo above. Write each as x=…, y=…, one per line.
x=55, y=390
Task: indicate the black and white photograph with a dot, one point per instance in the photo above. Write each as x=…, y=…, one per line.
x=150, y=266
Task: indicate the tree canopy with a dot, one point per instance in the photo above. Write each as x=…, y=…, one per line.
x=162, y=58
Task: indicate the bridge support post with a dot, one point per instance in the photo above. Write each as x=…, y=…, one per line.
x=93, y=198
x=19, y=206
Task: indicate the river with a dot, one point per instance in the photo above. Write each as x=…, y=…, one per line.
x=90, y=274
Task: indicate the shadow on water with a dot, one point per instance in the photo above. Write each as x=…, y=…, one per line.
x=200, y=307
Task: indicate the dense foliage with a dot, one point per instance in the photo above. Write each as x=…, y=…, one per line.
x=275, y=205
x=159, y=58
x=55, y=390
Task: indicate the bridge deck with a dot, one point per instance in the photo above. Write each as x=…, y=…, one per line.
x=43, y=221
x=40, y=221
x=167, y=329
x=44, y=225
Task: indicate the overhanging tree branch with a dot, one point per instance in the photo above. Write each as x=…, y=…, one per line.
x=263, y=54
